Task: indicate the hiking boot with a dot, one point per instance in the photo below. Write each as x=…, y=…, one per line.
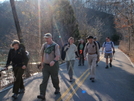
x=110, y=64
x=41, y=97
x=70, y=80
x=92, y=80
x=22, y=91
x=57, y=91
x=106, y=67
x=79, y=65
x=15, y=96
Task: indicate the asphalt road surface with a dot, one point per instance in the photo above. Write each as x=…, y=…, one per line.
x=112, y=84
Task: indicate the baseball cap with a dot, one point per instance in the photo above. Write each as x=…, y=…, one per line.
x=48, y=35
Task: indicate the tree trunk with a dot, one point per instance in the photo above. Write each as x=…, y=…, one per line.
x=19, y=33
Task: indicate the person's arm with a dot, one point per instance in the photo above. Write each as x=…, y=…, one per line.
x=85, y=51
x=113, y=47
x=40, y=66
x=98, y=52
x=76, y=52
x=57, y=53
x=8, y=59
x=102, y=48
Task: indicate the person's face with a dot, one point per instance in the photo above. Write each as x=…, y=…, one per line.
x=107, y=39
x=71, y=41
x=90, y=40
x=16, y=46
x=81, y=41
x=48, y=39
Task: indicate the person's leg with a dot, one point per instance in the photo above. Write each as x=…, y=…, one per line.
x=54, y=76
x=80, y=60
x=18, y=75
x=22, y=88
x=106, y=56
x=71, y=72
x=93, y=66
x=111, y=58
x=68, y=67
x=43, y=85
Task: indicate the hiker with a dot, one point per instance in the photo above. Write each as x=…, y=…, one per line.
x=92, y=49
x=95, y=39
x=17, y=57
x=80, y=47
x=50, y=54
x=108, y=45
x=71, y=53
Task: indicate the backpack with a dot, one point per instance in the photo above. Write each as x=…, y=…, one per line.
x=98, y=44
x=110, y=43
x=95, y=46
x=49, y=49
x=63, y=52
x=22, y=47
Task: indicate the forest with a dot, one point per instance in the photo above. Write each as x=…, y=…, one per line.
x=65, y=18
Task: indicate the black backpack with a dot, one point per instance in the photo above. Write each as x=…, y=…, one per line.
x=63, y=53
x=22, y=47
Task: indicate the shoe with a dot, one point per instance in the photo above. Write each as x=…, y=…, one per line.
x=57, y=91
x=70, y=80
x=22, y=91
x=110, y=64
x=93, y=80
x=106, y=67
x=41, y=97
x=15, y=96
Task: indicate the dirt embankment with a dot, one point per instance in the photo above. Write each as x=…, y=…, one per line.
x=124, y=46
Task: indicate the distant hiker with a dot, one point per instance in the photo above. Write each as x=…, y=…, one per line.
x=50, y=54
x=71, y=53
x=92, y=49
x=108, y=45
x=18, y=58
x=80, y=47
x=95, y=39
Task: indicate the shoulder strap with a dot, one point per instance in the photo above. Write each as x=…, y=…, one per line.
x=95, y=46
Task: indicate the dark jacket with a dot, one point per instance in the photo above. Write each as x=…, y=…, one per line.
x=17, y=58
x=82, y=48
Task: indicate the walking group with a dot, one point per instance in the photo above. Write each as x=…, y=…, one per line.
x=50, y=55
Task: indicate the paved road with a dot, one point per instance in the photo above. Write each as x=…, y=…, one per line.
x=113, y=84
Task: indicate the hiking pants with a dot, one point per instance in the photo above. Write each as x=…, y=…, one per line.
x=81, y=60
x=18, y=83
x=49, y=71
x=70, y=66
x=92, y=64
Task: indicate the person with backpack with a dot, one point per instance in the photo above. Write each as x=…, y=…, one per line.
x=17, y=57
x=91, y=51
x=80, y=47
x=108, y=45
x=71, y=53
x=50, y=55
x=95, y=39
